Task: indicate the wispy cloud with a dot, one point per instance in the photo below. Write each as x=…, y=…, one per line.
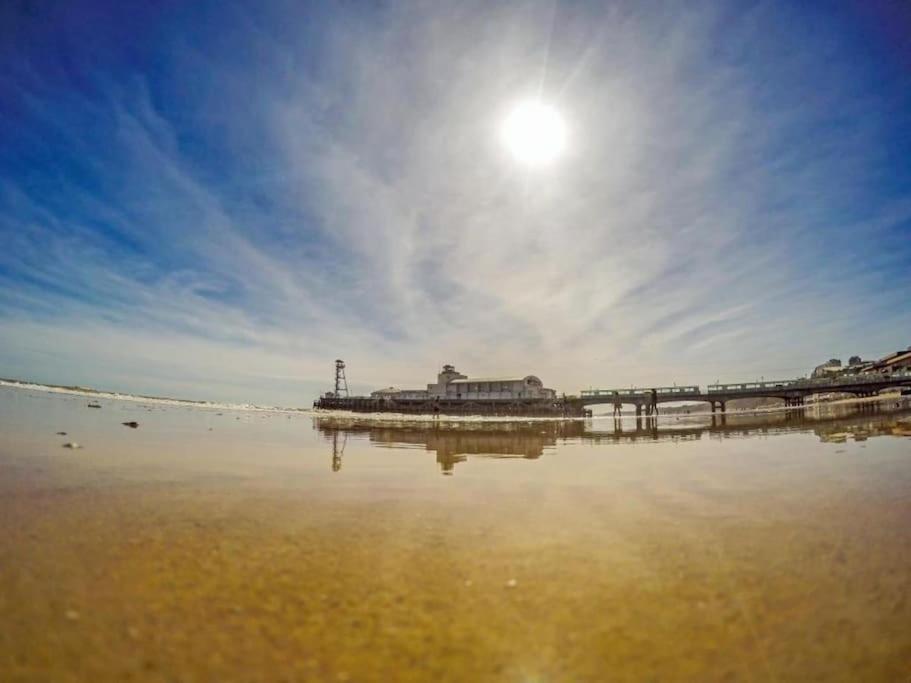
x=224, y=216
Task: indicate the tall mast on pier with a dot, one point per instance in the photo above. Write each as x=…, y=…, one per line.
x=341, y=384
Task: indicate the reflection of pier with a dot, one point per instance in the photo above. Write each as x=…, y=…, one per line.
x=732, y=426
x=454, y=446
x=457, y=442
x=454, y=442
x=338, y=439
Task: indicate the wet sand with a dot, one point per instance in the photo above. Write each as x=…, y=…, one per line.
x=277, y=547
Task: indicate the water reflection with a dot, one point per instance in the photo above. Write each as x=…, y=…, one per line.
x=338, y=448
x=455, y=442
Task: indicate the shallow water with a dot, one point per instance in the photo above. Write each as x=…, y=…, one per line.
x=218, y=545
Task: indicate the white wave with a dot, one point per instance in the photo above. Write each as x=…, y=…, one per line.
x=136, y=398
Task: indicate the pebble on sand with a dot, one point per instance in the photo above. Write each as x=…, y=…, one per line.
x=61, y=433
x=132, y=424
x=72, y=615
x=512, y=583
x=71, y=444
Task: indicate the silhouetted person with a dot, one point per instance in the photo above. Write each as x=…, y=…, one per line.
x=654, y=406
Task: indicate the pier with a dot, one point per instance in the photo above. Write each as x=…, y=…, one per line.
x=523, y=396
x=529, y=407
x=793, y=392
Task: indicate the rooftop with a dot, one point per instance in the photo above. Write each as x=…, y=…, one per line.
x=894, y=357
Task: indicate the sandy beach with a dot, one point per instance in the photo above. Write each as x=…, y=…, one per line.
x=242, y=545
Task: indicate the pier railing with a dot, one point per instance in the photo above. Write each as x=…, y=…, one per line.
x=661, y=391
x=802, y=383
x=753, y=386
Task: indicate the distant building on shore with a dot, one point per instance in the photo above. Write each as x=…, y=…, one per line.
x=452, y=384
x=897, y=361
x=834, y=368
x=831, y=368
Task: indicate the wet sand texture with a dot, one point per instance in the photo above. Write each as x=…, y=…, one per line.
x=176, y=553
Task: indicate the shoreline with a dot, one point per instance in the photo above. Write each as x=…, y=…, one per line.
x=417, y=418
x=138, y=398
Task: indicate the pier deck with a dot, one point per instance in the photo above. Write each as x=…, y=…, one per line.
x=645, y=399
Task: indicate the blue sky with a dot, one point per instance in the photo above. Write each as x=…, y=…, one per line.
x=216, y=200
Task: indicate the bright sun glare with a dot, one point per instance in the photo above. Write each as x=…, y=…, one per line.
x=534, y=133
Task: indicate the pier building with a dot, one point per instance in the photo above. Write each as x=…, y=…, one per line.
x=458, y=394
x=452, y=384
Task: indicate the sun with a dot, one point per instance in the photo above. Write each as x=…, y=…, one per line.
x=534, y=132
